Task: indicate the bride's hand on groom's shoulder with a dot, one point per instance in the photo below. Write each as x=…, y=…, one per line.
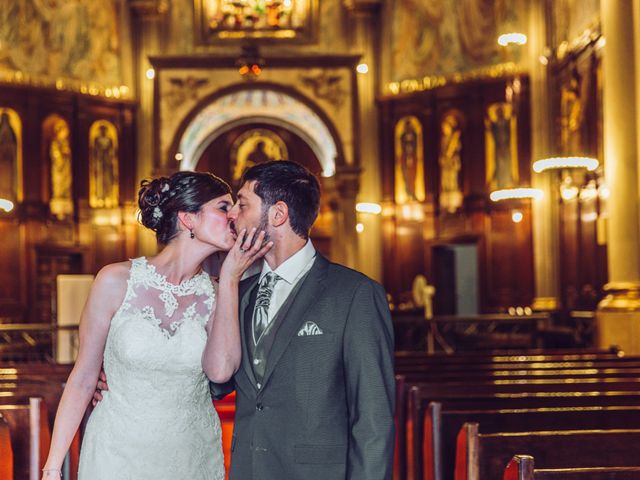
x=244, y=252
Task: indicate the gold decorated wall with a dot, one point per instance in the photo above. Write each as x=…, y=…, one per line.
x=438, y=38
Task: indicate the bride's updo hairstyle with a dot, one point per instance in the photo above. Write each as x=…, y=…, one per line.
x=160, y=200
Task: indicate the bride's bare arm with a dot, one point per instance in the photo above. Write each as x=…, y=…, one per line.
x=221, y=356
x=105, y=297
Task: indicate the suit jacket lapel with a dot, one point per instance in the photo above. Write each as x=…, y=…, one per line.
x=306, y=296
x=246, y=288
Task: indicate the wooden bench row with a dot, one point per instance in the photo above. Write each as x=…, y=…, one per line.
x=424, y=451
x=25, y=438
x=484, y=455
x=521, y=467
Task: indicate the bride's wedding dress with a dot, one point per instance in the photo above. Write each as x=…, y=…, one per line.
x=157, y=420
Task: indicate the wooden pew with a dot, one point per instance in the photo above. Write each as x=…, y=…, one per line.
x=50, y=391
x=491, y=396
x=12, y=392
x=538, y=355
x=521, y=467
x=6, y=451
x=623, y=363
x=483, y=456
x=441, y=428
x=30, y=436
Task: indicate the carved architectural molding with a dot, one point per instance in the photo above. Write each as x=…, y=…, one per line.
x=149, y=8
x=348, y=181
x=366, y=7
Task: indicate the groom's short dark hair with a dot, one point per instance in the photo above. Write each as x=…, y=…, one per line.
x=291, y=183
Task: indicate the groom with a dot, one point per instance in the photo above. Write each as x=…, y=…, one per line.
x=314, y=393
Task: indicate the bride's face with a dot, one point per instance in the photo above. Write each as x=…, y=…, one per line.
x=213, y=225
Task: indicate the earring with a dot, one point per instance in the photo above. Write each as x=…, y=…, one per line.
x=191, y=233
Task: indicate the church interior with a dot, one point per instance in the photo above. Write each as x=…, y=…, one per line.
x=478, y=158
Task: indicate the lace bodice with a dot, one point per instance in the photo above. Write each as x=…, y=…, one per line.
x=157, y=420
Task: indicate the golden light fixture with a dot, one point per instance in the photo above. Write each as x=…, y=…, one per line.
x=516, y=216
x=512, y=38
x=250, y=64
x=362, y=68
x=515, y=193
x=6, y=205
x=565, y=162
x=365, y=207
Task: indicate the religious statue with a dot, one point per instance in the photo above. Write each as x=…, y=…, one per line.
x=450, y=163
x=104, y=162
x=409, y=169
x=501, y=147
x=8, y=158
x=61, y=203
x=255, y=146
x=572, y=114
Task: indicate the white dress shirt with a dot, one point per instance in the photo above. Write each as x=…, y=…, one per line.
x=290, y=273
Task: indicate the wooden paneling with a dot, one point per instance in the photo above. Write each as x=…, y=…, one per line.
x=36, y=245
x=505, y=251
x=578, y=131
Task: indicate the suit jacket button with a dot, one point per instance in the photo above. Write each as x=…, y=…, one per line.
x=259, y=407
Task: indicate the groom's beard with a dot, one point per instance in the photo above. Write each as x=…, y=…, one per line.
x=264, y=225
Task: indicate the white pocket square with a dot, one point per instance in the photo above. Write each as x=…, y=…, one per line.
x=310, y=328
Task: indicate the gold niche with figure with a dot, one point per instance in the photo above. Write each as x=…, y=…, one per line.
x=450, y=160
x=277, y=20
x=10, y=158
x=56, y=132
x=255, y=146
x=103, y=165
x=501, y=146
x=409, y=160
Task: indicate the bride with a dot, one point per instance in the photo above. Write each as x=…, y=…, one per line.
x=162, y=328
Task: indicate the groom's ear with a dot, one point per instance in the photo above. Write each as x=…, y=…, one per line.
x=278, y=213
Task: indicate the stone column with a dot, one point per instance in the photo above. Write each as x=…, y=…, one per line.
x=347, y=179
x=147, y=17
x=544, y=211
x=618, y=315
x=365, y=35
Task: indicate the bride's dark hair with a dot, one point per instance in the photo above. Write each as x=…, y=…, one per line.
x=160, y=199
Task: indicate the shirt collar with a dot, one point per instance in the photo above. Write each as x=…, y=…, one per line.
x=293, y=266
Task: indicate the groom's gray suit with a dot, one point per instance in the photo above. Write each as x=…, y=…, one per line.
x=325, y=407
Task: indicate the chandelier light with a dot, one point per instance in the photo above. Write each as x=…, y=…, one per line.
x=515, y=193
x=6, y=205
x=565, y=162
x=365, y=207
x=512, y=38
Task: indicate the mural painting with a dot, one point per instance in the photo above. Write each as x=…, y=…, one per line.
x=439, y=37
x=76, y=39
x=219, y=20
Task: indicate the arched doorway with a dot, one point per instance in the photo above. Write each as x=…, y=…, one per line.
x=252, y=124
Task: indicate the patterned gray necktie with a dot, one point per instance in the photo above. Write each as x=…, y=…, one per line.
x=261, y=311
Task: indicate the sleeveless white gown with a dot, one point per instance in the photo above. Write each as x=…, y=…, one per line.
x=157, y=420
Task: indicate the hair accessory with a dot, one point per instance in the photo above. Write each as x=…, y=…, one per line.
x=165, y=188
x=191, y=233
x=157, y=213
